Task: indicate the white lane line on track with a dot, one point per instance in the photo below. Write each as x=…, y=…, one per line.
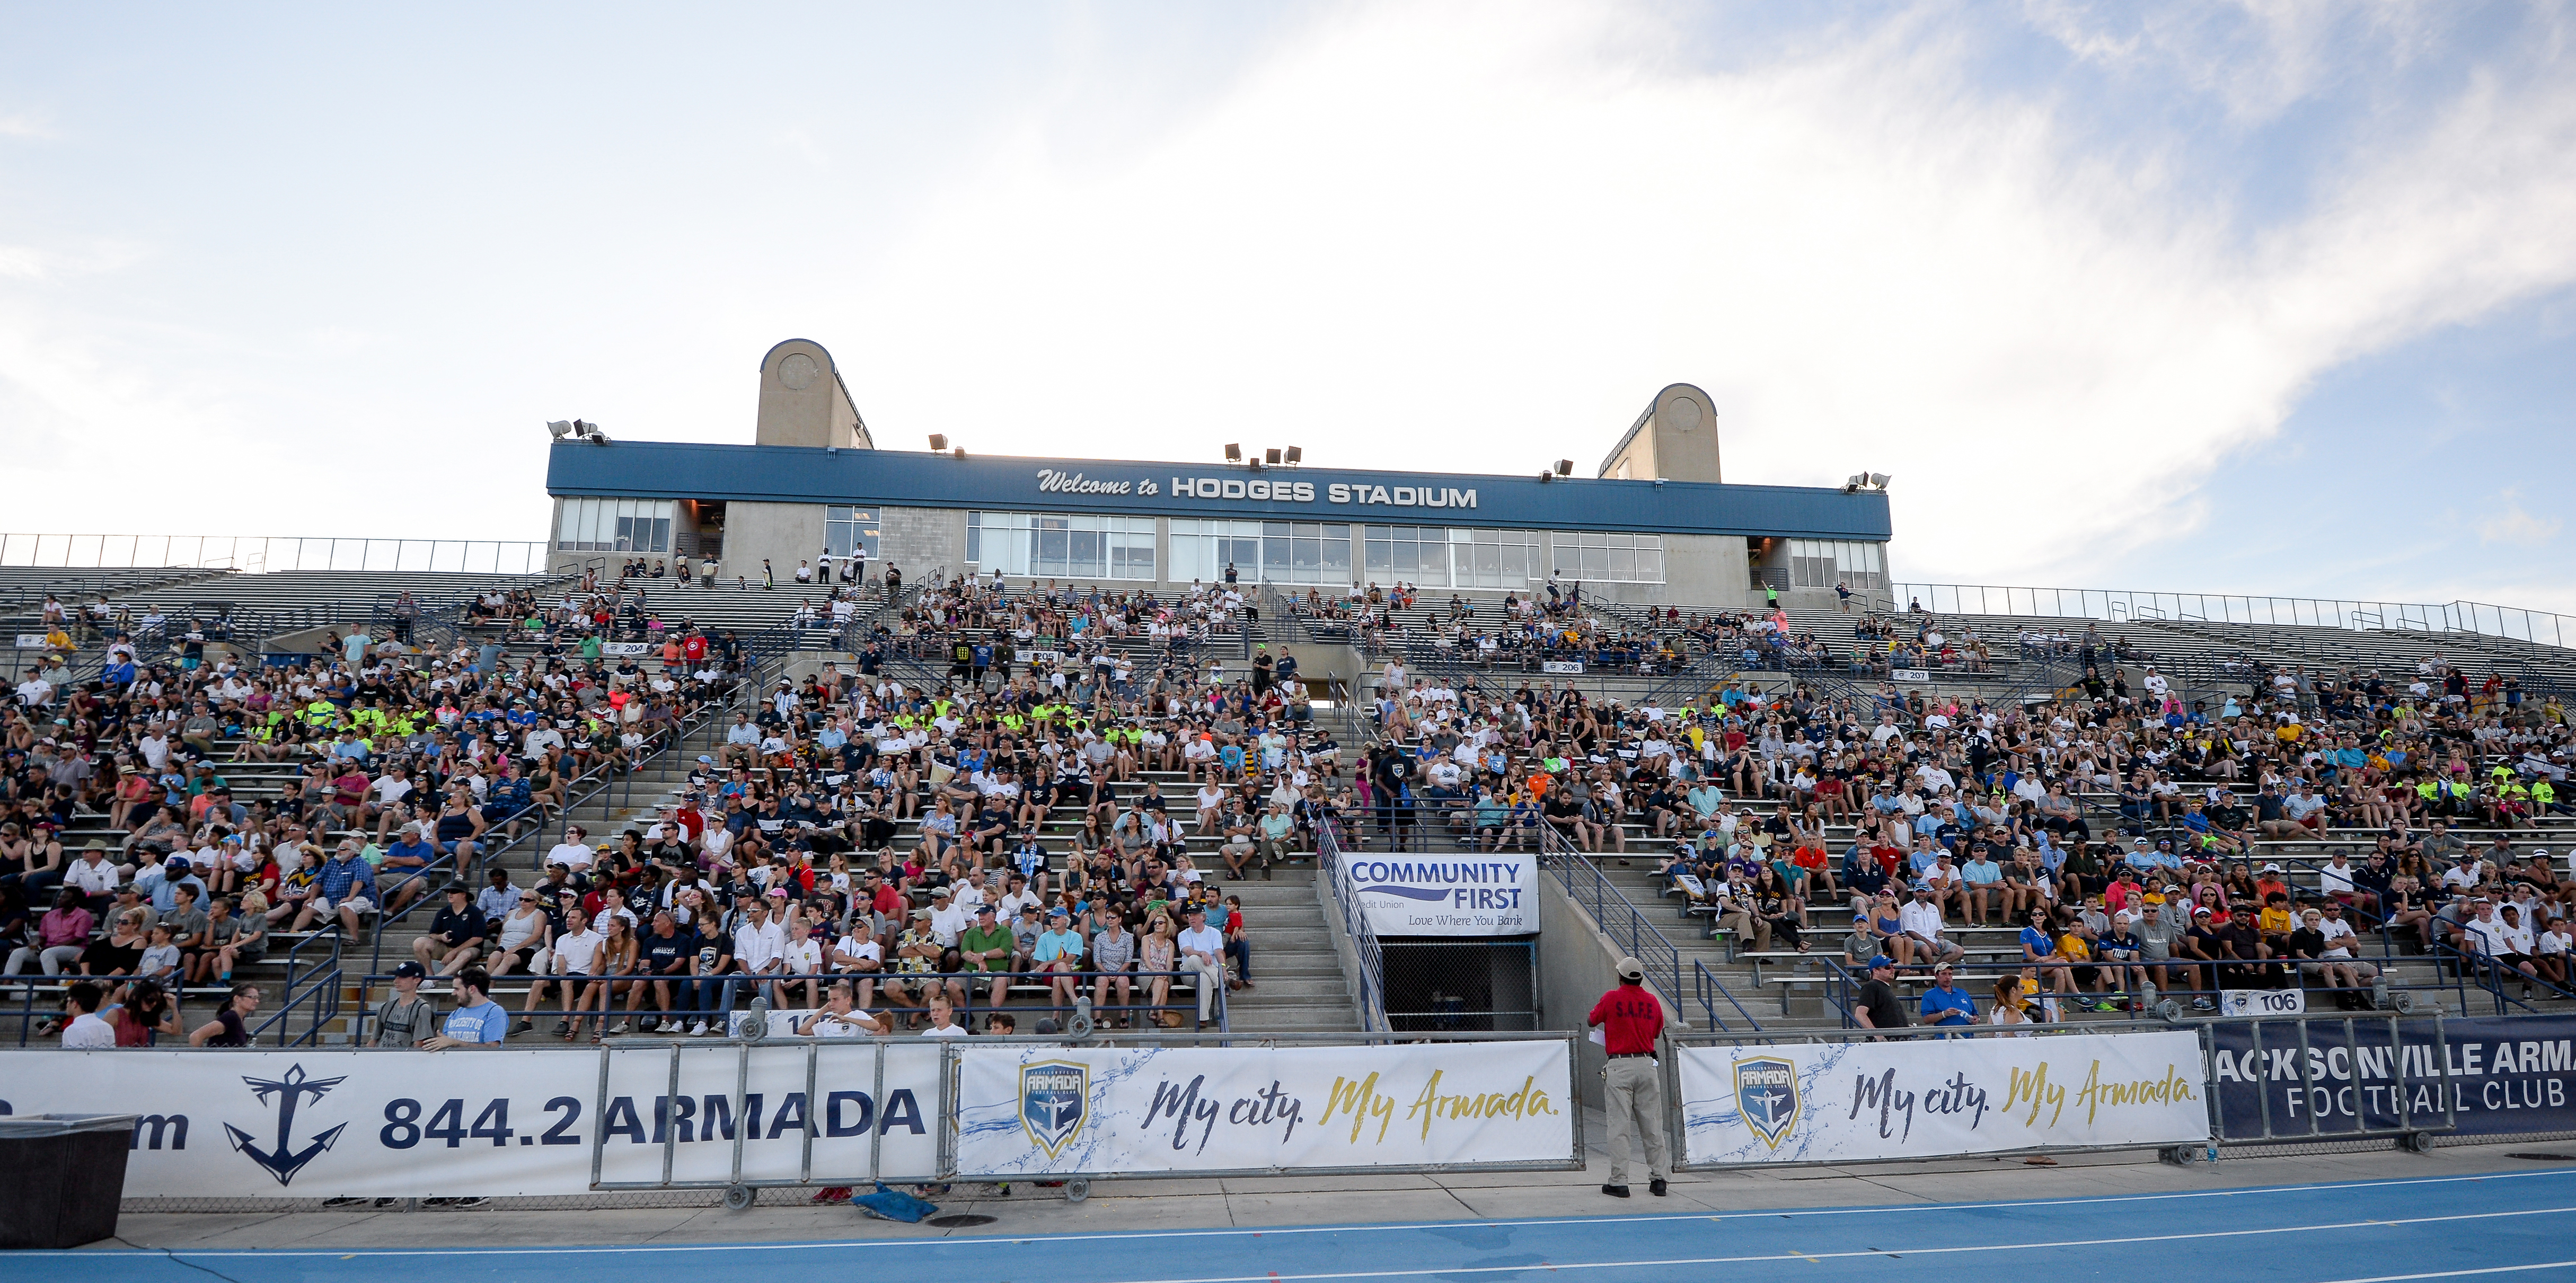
x=1820, y=1257
x=2457, y=1274
x=1773, y=1213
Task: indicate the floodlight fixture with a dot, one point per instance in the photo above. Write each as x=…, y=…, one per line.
x=1233, y=452
x=938, y=442
x=1296, y=454
x=559, y=428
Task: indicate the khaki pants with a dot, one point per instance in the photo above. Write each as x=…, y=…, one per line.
x=1211, y=982
x=1633, y=1094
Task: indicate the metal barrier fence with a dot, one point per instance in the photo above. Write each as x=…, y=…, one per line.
x=1078, y=1183
x=1462, y=985
x=2119, y=605
x=823, y=1116
x=739, y=1186
x=256, y=554
x=2279, y=1047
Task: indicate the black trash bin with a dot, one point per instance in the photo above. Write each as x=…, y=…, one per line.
x=61, y=1178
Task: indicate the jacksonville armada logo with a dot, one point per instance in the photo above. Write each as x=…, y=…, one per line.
x=1055, y=1095
x=286, y=1160
x=1766, y=1094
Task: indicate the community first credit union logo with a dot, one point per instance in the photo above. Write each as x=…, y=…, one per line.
x=1766, y=1093
x=1054, y=1097
x=286, y=1159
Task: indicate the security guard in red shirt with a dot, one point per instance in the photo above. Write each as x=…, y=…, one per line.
x=1631, y=1020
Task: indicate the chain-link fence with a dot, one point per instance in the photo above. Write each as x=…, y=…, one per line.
x=1461, y=986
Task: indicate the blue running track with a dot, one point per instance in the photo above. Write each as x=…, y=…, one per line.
x=2506, y=1227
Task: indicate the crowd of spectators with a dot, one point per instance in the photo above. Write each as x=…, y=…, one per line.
x=386, y=768
x=2124, y=833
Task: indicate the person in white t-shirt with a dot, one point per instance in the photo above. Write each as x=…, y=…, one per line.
x=803, y=957
x=859, y=955
x=840, y=1017
x=577, y=953
x=943, y=1019
x=1201, y=950
x=87, y=1031
x=948, y=920
x=2557, y=948
x=574, y=851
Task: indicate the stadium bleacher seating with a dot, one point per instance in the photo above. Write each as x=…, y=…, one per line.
x=1748, y=696
x=478, y=648
x=2018, y=685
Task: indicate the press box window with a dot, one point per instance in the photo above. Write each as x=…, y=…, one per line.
x=1823, y=563
x=1049, y=545
x=847, y=528
x=1598, y=557
x=614, y=525
x=1279, y=552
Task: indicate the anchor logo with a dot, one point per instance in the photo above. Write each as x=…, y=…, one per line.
x=285, y=1161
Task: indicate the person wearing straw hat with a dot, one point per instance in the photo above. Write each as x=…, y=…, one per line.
x=1631, y=1020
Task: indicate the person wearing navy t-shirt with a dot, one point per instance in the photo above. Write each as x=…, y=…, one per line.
x=1630, y=1020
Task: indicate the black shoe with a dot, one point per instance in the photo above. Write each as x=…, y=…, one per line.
x=1615, y=1191
x=1658, y=1187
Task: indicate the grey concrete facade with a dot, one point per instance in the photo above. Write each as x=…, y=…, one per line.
x=804, y=402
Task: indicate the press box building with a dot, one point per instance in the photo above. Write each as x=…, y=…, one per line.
x=1656, y=523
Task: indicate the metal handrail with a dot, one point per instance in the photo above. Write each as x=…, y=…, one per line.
x=1626, y=925
x=256, y=554
x=2512, y=623
x=1372, y=995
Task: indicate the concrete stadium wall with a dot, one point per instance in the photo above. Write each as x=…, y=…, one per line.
x=1576, y=965
x=783, y=533
x=920, y=540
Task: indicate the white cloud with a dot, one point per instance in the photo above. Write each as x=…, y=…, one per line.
x=1408, y=235
x=2510, y=524
x=1420, y=241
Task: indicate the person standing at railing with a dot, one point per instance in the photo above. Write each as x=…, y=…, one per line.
x=1631, y=1020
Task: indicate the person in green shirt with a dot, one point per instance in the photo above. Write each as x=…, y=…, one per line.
x=986, y=947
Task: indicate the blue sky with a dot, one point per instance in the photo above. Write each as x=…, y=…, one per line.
x=2268, y=298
